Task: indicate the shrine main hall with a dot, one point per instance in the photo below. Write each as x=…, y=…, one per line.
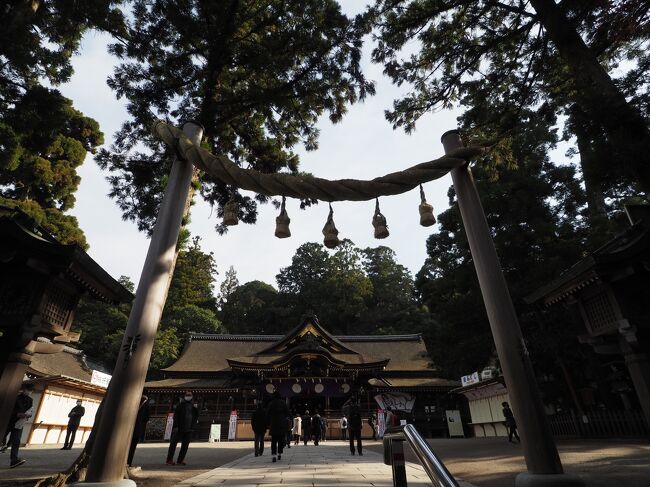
x=313, y=369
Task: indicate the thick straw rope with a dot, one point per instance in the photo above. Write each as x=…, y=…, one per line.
x=304, y=187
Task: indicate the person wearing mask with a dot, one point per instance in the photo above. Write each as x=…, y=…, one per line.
x=185, y=418
x=511, y=424
x=75, y=415
x=276, y=417
x=353, y=413
x=23, y=410
x=297, y=428
x=258, y=422
x=306, y=427
x=343, y=422
x=139, y=428
x=315, y=427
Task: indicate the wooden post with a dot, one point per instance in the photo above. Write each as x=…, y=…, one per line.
x=123, y=398
x=542, y=459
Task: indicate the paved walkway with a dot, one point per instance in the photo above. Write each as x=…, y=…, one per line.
x=323, y=465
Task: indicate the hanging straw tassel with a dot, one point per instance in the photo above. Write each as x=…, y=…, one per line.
x=282, y=222
x=331, y=239
x=426, y=211
x=379, y=222
x=231, y=213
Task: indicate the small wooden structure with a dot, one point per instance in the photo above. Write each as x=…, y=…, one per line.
x=42, y=281
x=484, y=399
x=60, y=379
x=610, y=289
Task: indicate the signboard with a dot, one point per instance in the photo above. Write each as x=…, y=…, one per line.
x=100, y=379
x=397, y=401
x=168, y=426
x=454, y=423
x=468, y=380
x=232, y=425
x=215, y=433
x=381, y=423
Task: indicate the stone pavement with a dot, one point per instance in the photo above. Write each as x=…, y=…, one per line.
x=323, y=465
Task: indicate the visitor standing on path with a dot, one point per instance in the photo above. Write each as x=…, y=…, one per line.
x=353, y=413
x=316, y=427
x=323, y=428
x=186, y=416
x=259, y=428
x=276, y=417
x=75, y=415
x=344, y=428
x=306, y=427
x=139, y=428
x=297, y=428
x=511, y=424
x=22, y=411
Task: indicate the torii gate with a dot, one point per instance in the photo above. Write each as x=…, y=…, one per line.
x=108, y=457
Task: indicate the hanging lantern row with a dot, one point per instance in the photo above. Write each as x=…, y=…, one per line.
x=330, y=232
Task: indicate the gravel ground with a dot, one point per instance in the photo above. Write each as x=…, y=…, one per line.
x=485, y=462
x=493, y=462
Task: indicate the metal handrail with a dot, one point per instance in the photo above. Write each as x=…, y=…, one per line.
x=434, y=467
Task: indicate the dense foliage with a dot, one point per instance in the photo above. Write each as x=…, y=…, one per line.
x=197, y=60
x=43, y=139
x=504, y=57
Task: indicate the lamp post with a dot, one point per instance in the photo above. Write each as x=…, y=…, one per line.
x=540, y=452
x=108, y=457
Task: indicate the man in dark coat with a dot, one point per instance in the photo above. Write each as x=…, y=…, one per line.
x=511, y=424
x=75, y=415
x=259, y=425
x=353, y=412
x=306, y=427
x=21, y=413
x=186, y=416
x=139, y=428
x=276, y=417
x=316, y=427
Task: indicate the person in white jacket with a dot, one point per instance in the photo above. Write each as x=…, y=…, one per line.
x=297, y=428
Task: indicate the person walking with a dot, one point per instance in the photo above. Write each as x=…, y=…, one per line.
x=186, y=416
x=511, y=424
x=139, y=428
x=258, y=422
x=306, y=427
x=75, y=415
x=289, y=437
x=297, y=428
x=316, y=427
x=323, y=428
x=353, y=412
x=372, y=420
x=343, y=422
x=23, y=410
x=276, y=417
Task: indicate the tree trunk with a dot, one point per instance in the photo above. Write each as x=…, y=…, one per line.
x=598, y=95
x=596, y=207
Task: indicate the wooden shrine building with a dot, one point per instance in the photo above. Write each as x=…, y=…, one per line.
x=312, y=369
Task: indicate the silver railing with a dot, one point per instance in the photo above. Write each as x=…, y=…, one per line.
x=394, y=439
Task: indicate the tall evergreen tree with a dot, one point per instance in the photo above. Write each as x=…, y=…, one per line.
x=509, y=56
x=43, y=139
x=257, y=76
x=534, y=213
